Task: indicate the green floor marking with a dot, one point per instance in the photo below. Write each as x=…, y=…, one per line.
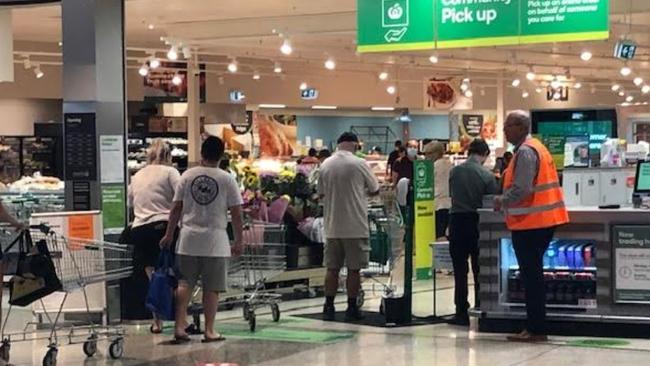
x=274, y=333
x=598, y=343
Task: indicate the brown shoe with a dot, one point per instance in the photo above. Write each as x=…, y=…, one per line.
x=527, y=337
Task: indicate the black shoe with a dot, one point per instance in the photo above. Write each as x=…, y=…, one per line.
x=329, y=313
x=353, y=315
x=459, y=320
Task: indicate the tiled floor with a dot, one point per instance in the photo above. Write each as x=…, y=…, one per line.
x=300, y=341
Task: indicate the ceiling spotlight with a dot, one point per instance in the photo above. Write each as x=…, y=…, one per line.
x=60, y=44
x=256, y=76
x=626, y=70
x=530, y=75
x=469, y=94
x=464, y=87
x=383, y=75
x=286, y=48
x=391, y=90
x=577, y=85
x=638, y=81
x=27, y=63
x=629, y=99
x=621, y=93
x=434, y=59
x=645, y=89
x=516, y=82
x=151, y=27
x=172, y=54
x=330, y=64
x=538, y=90
x=233, y=67
x=177, y=80
x=303, y=86
x=154, y=63
x=186, y=52
x=37, y=71
x=586, y=56
x=525, y=95
x=277, y=68
x=144, y=70
x=616, y=87
x=556, y=83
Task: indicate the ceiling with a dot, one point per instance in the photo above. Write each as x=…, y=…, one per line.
x=251, y=32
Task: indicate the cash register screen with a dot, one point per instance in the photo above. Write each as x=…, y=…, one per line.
x=642, y=181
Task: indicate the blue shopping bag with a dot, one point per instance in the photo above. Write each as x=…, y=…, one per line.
x=160, y=298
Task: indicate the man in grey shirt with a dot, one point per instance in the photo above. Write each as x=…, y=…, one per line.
x=468, y=183
x=344, y=184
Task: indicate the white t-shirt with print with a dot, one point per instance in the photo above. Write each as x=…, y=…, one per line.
x=207, y=194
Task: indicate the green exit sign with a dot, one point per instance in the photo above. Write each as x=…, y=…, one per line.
x=398, y=25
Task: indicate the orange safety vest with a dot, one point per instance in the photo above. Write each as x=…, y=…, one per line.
x=544, y=208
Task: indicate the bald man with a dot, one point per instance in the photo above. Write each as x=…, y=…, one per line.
x=533, y=204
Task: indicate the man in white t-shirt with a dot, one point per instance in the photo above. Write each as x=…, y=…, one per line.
x=201, y=203
x=344, y=184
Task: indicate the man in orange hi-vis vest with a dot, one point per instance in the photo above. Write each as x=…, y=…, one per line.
x=533, y=205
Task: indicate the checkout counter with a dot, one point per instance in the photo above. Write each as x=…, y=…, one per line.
x=597, y=269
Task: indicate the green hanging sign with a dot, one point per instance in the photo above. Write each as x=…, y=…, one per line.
x=397, y=25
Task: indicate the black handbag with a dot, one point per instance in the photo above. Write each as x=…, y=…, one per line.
x=35, y=275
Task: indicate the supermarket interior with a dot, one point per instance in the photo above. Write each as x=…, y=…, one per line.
x=88, y=88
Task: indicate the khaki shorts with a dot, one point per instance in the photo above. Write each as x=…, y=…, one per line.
x=213, y=272
x=353, y=253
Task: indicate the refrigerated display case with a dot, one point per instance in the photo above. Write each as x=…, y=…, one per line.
x=569, y=270
x=598, y=256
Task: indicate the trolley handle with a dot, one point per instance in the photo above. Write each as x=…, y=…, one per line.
x=40, y=227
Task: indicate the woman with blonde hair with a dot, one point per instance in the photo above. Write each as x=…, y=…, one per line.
x=150, y=195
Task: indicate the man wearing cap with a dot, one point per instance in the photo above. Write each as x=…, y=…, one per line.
x=344, y=185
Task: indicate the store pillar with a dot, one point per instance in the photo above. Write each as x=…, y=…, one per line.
x=94, y=108
x=193, y=111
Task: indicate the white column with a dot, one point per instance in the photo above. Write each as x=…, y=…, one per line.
x=193, y=111
x=6, y=47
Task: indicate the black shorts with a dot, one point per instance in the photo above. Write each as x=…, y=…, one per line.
x=146, y=243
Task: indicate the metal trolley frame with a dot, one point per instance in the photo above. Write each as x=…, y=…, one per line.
x=78, y=263
x=263, y=258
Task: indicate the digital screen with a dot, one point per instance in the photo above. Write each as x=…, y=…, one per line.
x=642, y=183
x=598, y=132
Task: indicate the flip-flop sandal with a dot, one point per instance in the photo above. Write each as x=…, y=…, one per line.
x=220, y=338
x=154, y=331
x=181, y=339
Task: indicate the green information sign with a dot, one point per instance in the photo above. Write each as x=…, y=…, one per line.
x=113, y=208
x=393, y=25
x=424, y=217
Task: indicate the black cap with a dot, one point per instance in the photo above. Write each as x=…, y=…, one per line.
x=348, y=137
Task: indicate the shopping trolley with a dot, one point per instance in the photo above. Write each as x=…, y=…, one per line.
x=78, y=263
x=264, y=257
x=385, y=224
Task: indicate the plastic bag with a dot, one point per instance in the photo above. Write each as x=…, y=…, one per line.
x=160, y=297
